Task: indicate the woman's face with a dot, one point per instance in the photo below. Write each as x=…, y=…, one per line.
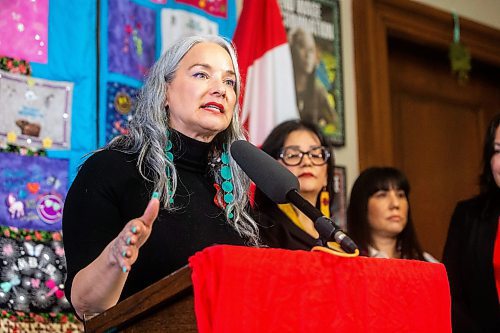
x=495, y=159
x=305, y=52
x=312, y=178
x=387, y=212
x=201, y=98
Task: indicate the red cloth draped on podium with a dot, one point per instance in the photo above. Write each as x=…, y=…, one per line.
x=240, y=289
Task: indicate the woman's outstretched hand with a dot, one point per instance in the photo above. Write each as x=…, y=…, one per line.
x=125, y=247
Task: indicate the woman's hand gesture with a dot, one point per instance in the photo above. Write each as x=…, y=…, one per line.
x=125, y=247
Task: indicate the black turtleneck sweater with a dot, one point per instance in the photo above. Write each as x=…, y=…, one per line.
x=109, y=191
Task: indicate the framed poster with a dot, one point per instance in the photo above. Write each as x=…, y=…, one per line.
x=313, y=30
x=340, y=197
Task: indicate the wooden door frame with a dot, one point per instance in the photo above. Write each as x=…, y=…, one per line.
x=374, y=21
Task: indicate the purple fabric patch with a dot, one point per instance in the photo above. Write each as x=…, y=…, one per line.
x=131, y=38
x=32, y=191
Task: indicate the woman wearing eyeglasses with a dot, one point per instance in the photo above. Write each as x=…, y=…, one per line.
x=303, y=150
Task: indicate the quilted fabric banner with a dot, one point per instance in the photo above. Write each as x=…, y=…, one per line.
x=35, y=112
x=32, y=190
x=24, y=29
x=131, y=36
x=134, y=36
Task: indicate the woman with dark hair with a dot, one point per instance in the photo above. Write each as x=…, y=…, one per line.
x=472, y=251
x=379, y=218
x=303, y=150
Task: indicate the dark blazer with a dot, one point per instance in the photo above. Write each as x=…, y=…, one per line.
x=276, y=229
x=468, y=257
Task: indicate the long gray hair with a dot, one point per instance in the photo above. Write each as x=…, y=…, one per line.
x=148, y=135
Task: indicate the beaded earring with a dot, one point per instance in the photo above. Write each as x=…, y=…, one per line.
x=324, y=202
x=224, y=192
x=170, y=158
x=227, y=176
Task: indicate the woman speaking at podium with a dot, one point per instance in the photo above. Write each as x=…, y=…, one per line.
x=148, y=200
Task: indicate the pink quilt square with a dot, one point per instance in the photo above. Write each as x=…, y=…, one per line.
x=24, y=33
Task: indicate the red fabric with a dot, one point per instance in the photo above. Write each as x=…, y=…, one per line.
x=496, y=259
x=260, y=29
x=251, y=194
x=240, y=289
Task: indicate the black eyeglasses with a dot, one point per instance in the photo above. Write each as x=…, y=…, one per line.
x=293, y=156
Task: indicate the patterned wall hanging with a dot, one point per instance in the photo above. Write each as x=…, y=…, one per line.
x=24, y=29
x=131, y=38
x=32, y=191
x=120, y=106
x=16, y=66
x=35, y=112
x=177, y=23
x=32, y=272
x=216, y=8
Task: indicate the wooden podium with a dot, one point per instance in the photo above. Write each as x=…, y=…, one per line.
x=247, y=290
x=166, y=306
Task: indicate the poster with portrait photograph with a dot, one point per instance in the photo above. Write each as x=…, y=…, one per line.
x=340, y=197
x=313, y=30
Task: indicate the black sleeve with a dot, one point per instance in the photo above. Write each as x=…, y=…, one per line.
x=107, y=193
x=270, y=232
x=276, y=229
x=453, y=259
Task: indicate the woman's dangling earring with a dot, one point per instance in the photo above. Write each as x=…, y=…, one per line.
x=227, y=184
x=170, y=158
x=324, y=202
x=224, y=192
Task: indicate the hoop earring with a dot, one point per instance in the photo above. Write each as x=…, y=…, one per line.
x=324, y=202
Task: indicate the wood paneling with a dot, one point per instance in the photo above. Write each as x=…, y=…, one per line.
x=413, y=114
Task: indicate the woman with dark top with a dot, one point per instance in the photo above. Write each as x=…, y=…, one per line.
x=303, y=150
x=472, y=251
x=379, y=219
x=173, y=169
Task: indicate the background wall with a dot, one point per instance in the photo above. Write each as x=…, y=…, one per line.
x=483, y=11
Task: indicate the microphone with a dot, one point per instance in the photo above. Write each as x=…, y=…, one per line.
x=281, y=186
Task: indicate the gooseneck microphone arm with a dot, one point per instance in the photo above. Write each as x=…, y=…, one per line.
x=326, y=228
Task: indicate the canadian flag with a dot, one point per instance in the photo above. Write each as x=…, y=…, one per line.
x=268, y=94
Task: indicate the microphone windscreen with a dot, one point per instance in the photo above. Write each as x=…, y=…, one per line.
x=269, y=175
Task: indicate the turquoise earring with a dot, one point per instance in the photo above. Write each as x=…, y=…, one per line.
x=227, y=176
x=170, y=157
